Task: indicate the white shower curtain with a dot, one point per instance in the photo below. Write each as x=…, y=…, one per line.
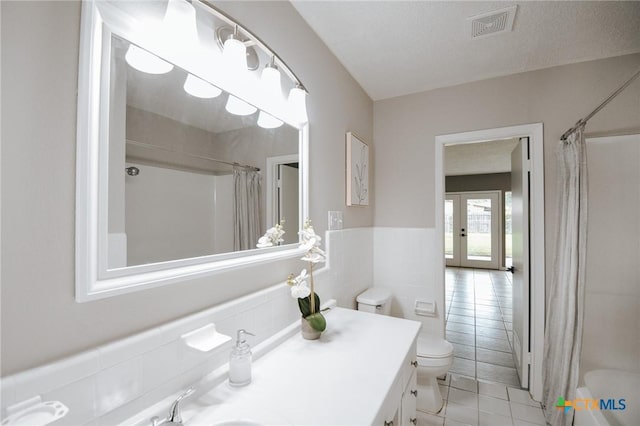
x=246, y=209
x=565, y=309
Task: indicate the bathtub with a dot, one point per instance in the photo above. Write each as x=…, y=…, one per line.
x=610, y=384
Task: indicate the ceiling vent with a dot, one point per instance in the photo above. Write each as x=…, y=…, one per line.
x=491, y=23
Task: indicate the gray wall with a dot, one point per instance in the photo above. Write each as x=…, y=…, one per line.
x=40, y=319
x=487, y=182
x=405, y=129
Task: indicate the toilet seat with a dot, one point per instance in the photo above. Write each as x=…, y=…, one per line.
x=434, y=347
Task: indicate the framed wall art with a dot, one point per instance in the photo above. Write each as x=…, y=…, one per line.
x=357, y=171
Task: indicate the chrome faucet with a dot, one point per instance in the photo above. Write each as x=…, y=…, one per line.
x=174, y=414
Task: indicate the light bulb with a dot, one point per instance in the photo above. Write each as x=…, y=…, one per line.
x=180, y=23
x=270, y=82
x=235, y=55
x=199, y=88
x=145, y=61
x=271, y=92
x=298, y=104
x=267, y=121
x=239, y=107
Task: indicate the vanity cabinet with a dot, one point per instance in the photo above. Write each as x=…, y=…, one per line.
x=362, y=370
x=401, y=402
x=409, y=398
x=408, y=409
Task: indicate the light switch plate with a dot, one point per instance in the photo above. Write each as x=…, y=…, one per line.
x=335, y=220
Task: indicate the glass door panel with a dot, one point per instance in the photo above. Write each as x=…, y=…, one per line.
x=448, y=229
x=478, y=233
x=480, y=229
x=452, y=229
x=508, y=251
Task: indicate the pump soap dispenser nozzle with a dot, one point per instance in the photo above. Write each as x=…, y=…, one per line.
x=240, y=361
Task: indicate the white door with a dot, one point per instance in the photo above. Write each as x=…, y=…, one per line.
x=473, y=239
x=520, y=184
x=288, y=194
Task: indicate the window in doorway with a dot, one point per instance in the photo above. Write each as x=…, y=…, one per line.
x=448, y=229
x=479, y=229
x=507, y=229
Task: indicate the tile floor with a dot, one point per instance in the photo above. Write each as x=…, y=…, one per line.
x=479, y=325
x=482, y=403
x=482, y=387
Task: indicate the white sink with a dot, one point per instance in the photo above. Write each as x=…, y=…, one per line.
x=237, y=422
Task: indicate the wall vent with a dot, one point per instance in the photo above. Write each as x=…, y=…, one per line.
x=491, y=23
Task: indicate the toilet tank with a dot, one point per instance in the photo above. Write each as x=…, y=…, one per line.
x=375, y=300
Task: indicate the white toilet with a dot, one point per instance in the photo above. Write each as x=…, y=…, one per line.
x=435, y=355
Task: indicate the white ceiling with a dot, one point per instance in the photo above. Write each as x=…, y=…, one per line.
x=164, y=95
x=394, y=48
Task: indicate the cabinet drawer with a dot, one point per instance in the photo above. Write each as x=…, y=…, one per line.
x=410, y=364
x=408, y=407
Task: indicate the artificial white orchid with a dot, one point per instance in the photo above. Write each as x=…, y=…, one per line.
x=272, y=237
x=299, y=287
x=311, y=243
x=308, y=300
x=314, y=255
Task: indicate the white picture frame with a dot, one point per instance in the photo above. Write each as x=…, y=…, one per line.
x=357, y=173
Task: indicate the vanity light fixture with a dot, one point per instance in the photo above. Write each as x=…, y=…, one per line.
x=234, y=56
x=145, y=61
x=298, y=103
x=234, y=53
x=272, y=92
x=270, y=81
x=199, y=88
x=179, y=23
x=179, y=19
x=239, y=107
x=238, y=57
x=267, y=121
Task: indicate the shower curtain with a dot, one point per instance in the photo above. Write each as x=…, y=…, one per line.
x=565, y=309
x=246, y=209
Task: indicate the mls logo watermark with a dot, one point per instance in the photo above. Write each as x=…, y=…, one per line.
x=591, y=404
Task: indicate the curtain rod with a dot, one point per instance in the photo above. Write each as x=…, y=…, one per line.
x=201, y=157
x=599, y=107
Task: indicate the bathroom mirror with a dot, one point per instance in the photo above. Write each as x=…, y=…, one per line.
x=170, y=183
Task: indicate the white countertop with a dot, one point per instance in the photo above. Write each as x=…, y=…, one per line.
x=342, y=378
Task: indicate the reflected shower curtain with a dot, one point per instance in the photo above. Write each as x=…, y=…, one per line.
x=246, y=209
x=565, y=309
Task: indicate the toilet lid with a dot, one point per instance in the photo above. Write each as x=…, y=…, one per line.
x=434, y=347
x=374, y=296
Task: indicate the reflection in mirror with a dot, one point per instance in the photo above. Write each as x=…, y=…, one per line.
x=176, y=178
x=186, y=177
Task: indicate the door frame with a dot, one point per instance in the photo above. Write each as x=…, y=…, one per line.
x=272, y=186
x=537, y=252
x=500, y=238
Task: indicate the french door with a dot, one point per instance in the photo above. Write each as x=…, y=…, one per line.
x=472, y=229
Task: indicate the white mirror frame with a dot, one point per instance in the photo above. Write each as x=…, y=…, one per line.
x=93, y=280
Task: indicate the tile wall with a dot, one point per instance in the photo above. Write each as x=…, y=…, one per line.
x=611, y=337
x=403, y=261
x=108, y=384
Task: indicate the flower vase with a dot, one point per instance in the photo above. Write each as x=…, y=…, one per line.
x=308, y=332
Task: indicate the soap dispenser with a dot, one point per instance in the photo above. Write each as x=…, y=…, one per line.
x=240, y=361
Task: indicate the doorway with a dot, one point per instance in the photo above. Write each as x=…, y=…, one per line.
x=472, y=229
x=532, y=348
x=283, y=193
